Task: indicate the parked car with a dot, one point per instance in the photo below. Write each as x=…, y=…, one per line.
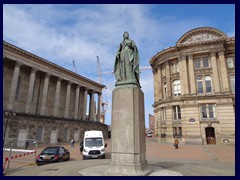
x=53, y=154
x=149, y=134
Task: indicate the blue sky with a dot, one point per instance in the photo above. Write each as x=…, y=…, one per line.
x=63, y=33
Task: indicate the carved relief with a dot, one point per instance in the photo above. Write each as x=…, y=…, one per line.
x=200, y=37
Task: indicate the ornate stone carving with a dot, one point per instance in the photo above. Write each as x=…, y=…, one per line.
x=200, y=37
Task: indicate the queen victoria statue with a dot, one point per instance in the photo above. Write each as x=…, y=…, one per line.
x=126, y=66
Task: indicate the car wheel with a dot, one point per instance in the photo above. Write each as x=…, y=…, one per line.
x=60, y=160
x=84, y=158
x=103, y=157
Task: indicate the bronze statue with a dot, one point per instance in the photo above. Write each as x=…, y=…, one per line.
x=126, y=66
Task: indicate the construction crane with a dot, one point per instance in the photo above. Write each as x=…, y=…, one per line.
x=103, y=104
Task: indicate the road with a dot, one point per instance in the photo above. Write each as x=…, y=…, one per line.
x=189, y=160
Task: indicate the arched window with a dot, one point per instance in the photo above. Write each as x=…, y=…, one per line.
x=39, y=134
x=65, y=134
x=208, y=84
x=199, y=84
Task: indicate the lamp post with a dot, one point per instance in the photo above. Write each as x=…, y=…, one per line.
x=7, y=113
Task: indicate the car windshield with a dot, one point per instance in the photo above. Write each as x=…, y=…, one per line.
x=93, y=142
x=50, y=151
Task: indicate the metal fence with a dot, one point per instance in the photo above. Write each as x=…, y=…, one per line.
x=18, y=153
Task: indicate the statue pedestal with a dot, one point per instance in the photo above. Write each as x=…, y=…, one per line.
x=128, y=143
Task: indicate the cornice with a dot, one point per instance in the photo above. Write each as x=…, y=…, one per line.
x=37, y=59
x=203, y=38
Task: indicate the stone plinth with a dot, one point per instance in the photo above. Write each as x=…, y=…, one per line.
x=128, y=143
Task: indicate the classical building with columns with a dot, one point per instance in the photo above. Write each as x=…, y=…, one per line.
x=44, y=101
x=194, y=88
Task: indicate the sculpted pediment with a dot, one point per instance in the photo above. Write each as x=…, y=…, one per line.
x=201, y=35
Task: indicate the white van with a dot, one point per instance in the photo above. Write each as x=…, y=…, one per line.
x=93, y=145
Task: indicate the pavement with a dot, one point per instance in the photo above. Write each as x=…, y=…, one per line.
x=163, y=159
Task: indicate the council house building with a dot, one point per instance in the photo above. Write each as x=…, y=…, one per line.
x=194, y=89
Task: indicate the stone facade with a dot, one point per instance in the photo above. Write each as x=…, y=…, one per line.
x=49, y=101
x=194, y=89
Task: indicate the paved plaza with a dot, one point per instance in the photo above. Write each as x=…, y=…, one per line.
x=163, y=159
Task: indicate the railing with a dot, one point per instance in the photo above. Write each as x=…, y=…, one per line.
x=20, y=151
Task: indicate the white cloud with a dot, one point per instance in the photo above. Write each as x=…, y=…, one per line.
x=63, y=33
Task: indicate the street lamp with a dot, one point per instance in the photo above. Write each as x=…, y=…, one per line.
x=7, y=113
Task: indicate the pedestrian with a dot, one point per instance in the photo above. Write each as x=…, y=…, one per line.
x=58, y=141
x=176, y=143
x=72, y=143
x=26, y=144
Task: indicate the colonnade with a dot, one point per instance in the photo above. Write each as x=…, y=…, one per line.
x=80, y=108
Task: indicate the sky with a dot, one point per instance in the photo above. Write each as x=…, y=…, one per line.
x=81, y=32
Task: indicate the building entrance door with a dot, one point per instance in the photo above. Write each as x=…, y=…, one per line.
x=210, y=135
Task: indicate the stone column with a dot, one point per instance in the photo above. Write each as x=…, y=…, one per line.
x=30, y=90
x=168, y=77
x=160, y=93
x=99, y=106
x=224, y=74
x=215, y=79
x=156, y=88
x=66, y=111
x=44, y=94
x=91, y=106
x=128, y=142
x=85, y=103
x=57, y=97
x=192, y=78
x=183, y=75
x=76, y=102
x=14, y=85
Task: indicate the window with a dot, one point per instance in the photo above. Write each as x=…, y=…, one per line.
x=163, y=111
x=176, y=113
x=202, y=62
x=197, y=63
x=176, y=88
x=164, y=130
x=18, y=88
x=207, y=111
x=232, y=83
x=231, y=62
x=165, y=89
x=204, y=84
x=177, y=131
x=208, y=84
x=199, y=84
x=205, y=62
x=175, y=67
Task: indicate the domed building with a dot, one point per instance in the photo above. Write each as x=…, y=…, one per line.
x=194, y=89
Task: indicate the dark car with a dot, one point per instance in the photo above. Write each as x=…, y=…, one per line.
x=53, y=154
